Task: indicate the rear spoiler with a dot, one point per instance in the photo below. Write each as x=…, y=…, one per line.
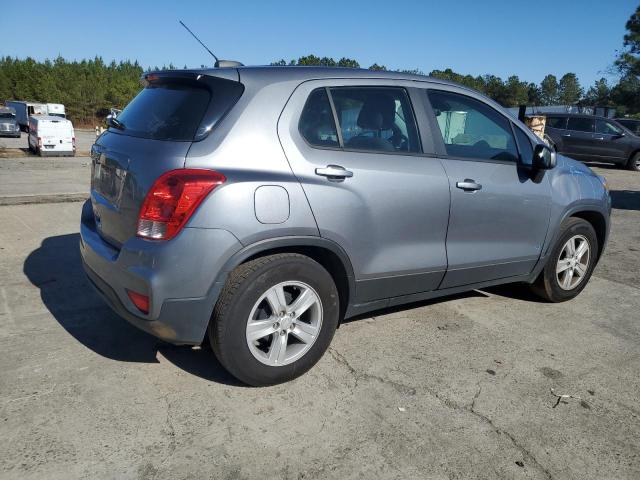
x=224, y=85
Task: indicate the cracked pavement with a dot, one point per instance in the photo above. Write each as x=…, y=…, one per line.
x=453, y=388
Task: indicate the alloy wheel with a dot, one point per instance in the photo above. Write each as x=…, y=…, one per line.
x=284, y=323
x=573, y=262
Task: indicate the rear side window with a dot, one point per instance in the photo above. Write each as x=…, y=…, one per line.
x=557, y=122
x=472, y=129
x=316, y=122
x=580, y=124
x=376, y=118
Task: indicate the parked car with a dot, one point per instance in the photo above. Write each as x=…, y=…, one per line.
x=630, y=124
x=24, y=110
x=593, y=138
x=50, y=135
x=8, y=125
x=258, y=207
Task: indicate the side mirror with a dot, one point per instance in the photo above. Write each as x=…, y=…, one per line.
x=543, y=157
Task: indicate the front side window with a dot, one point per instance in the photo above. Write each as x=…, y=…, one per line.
x=607, y=128
x=580, y=124
x=376, y=118
x=472, y=129
x=316, y=122
x=633, y=125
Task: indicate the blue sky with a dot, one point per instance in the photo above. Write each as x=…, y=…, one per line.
x=476, y=37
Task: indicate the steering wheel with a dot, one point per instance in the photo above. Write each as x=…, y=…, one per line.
x=398, y=139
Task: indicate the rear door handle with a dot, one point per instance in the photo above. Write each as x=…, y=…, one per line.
x=566, y=134
x=599, y=138
x=334, y=171
x=469, y=185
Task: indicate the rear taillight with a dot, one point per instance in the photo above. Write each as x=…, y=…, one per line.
x=172, y=200
x=73, y=141
x=39, y=142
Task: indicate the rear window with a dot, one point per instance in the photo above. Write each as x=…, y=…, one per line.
x=168, y=111
x=6, y=115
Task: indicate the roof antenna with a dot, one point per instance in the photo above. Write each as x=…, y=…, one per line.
x=217, y=64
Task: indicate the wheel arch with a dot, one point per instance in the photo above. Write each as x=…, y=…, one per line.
x=598, y=222
x=326, y=252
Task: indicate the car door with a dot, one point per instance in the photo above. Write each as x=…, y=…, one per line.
x=370, y=188
x=578, y=138
x=499, y=208
x=609, y=141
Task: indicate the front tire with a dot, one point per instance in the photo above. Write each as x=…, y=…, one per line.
x=274, y=319
x=570, y=264
x=634, y=162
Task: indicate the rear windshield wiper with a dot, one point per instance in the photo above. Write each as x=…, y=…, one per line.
x=114, y=122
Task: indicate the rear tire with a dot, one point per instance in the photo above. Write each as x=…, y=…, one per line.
x=250, y=298
x=634, y=162
x=568, y=270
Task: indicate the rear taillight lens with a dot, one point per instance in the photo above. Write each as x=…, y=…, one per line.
x=39, y=142
x=172, y=200
x=73, y=141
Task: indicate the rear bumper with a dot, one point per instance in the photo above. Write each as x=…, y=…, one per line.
x=179, y=276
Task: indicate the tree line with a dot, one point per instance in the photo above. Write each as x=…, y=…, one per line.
x=90, y=88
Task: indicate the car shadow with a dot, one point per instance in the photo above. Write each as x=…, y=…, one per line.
x=56, y=269
x=625, y=199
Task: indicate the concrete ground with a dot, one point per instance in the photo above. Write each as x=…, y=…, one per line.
x=33, y=179
x=450, y=389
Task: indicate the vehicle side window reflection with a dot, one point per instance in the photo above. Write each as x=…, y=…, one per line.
x=376, y=118
x=317, y=125
x=607, y=128
x=471, y=129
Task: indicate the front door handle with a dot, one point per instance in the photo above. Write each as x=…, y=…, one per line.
x=599, y=138
x=469, y=185
x=566, y=134
x=334, y=171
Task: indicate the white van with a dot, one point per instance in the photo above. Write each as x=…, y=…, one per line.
x=49, y=135
x=56, y=110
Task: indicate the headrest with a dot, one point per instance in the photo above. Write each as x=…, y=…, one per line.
x=377, y=113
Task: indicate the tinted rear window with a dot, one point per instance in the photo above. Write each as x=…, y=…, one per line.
x=168, y=111
x=580, y=124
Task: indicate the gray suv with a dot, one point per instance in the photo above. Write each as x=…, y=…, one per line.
x=257, y=207
x=8, y=125
x=593, y=138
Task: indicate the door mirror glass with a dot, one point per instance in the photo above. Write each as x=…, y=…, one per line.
x=543, y=157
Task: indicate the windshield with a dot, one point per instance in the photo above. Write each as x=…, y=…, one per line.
x=169, y=111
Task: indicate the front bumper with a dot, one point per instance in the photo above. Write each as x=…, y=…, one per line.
x=9, y=133
x=179, y=276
